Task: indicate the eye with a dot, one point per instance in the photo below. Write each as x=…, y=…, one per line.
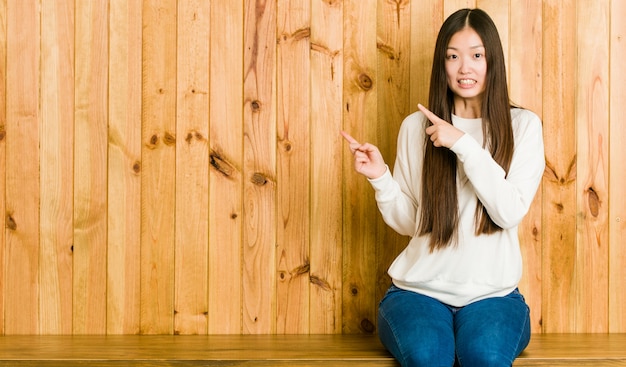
x=451, y=57
x=478, y=56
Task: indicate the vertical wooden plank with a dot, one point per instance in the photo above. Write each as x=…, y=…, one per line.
x=293, y=173
x=57, y=158
x=124, y=168
x=226, y=159
x=360, y=216
x=22, y=168
x=90, y=171
x=394, y=50
x=423, y=39
x=225, y=203
x=592, y=116
x=525, y=70
x=158, y=179
x=192, y=186
x=617, y=206
x=559, y=184
x=326, y=169
x=3, y=176
x=259, y=173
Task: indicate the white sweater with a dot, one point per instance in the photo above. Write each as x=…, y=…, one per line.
x=477, y=267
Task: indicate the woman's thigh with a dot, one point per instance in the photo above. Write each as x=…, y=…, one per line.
x=416, y=329
x=492, y=332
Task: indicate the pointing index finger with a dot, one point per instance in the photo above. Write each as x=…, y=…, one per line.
x=348, y=138
x=429, y=115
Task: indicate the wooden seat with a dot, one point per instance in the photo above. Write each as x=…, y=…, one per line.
x=553, y=350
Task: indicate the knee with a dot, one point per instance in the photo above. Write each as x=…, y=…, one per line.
x=426, y=358
x=415, y=351
x=484, y=358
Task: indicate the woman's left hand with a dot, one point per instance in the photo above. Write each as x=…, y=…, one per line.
x=441, y=132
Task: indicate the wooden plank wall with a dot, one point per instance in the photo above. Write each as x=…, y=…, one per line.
x=175, y=167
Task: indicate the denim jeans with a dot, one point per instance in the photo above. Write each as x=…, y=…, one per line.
x=421, y=331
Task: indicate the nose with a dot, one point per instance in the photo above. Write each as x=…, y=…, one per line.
x=464, y=67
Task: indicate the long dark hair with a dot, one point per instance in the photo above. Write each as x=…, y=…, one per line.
x=439, y=204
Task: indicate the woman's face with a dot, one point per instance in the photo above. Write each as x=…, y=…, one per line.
x=466, y=65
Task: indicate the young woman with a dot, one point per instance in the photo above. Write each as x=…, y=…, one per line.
x=465, y=175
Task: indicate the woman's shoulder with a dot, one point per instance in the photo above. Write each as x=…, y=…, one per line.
x=522, y=115
x=522, y=118
x=413, y=117
x=413, y=123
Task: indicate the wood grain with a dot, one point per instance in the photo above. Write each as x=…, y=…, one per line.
x=559, y=183
x=124, y=169
x=21, y=272
x=293, y=166
x=617, y=175
x=57, y=170
x=90, y=168
x=592, y=116
x=3, y=134
x=277, y=350
x=326, y=166
x=192, y=169
x=259, y=169
x=158, y=173
x=360, y=215
x=225, y=176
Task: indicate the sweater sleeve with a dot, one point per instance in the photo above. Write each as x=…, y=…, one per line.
x=396, y=194
x=506, y=197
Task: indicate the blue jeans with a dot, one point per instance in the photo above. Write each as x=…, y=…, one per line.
x=421, y=331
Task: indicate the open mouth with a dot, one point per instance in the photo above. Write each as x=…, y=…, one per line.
x=467, y=81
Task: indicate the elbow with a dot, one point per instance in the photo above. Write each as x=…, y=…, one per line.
x=507, y=224
x=508, y=220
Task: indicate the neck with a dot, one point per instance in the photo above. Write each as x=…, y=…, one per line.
x=468, y=109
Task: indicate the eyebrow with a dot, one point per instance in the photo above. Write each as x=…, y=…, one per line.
x=471, y=47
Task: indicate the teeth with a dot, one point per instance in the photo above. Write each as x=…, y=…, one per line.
x=467, y=81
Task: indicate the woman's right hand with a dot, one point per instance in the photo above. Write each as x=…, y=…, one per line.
x=367, y=158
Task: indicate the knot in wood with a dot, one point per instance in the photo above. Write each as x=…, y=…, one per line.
x=365, y=82
x=368, y=326
x=258, y=179
x=594, y=202
x=302, y=269
x=321, y=283
x=220, y=164
x=256, y=106
x=193, y=134
x=169, y=139
x=154, y=140
x=10, y=223
x=137, y=167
